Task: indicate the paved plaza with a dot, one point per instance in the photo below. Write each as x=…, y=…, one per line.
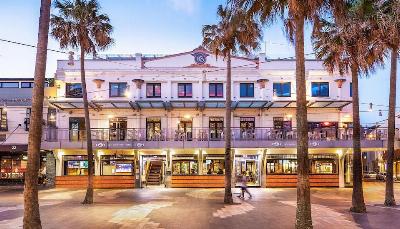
x=197, y=208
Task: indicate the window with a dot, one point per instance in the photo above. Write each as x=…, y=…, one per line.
x=117, y=165
x=184, y=167
x=351, y=89
x=73, y=90
x=282, y=166
x=26, y=84
x=3, y=119
x=9, y=85
x=216, y=90
x=282, y=89
x=117, y=89
x=320, y=89
x=153, y=90
x=185, y=90
x=51, y=117
x=246, y=90
x=213, y=165
x=75, y=165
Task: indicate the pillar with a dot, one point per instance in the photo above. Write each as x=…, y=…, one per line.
x=50, y=170
x=97, y=164
x=137, y=178
x=168, y=174
x=264, y=169
x=200, y=161
x=341, y=171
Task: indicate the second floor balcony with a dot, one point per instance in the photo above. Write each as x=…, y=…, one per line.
x=188, y=137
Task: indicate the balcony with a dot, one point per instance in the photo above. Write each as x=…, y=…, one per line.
x=207, y=138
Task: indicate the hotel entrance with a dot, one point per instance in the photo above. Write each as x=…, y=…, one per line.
x=248, y=165
x=153, y=170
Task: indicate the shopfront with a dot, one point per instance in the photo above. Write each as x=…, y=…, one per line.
x=185, y=165
x=13, y=166
x=75, y=165
x=213, y=165
x=117, y=165
x=282, y=170
x=248, y=165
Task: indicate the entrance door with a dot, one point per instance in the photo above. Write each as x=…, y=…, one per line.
x=77, y=129
x=185, y=129
x=247, y=126
x=153, y=129
x=153, y=169
x=118, y=129
x=248, y=166
x=216, y=128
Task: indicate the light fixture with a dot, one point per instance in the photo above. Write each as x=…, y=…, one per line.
x=380, y=113
x=127, y=94
x=187, y=116
x=274, y=97
x=71, y=58
x=5, y=107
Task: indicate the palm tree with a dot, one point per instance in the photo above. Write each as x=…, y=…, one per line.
x=31, y=199
x=295, y=14
x=234, y=33
x=79, y=24
x=351, y=45
x=389, y=22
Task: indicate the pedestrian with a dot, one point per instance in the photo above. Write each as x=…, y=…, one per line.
x=243, y=186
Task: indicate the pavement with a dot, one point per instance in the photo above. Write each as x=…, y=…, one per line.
x=156, y=207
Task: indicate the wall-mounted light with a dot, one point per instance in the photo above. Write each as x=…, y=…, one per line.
x=370, y=107
x=71, y=58
x=380, y=113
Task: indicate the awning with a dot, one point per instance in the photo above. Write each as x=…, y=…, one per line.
x=191, y=104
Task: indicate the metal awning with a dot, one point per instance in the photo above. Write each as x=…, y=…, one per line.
x=149, y=104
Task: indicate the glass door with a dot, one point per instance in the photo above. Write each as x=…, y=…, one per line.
x=153, y=129
x=248, y=166
x=118, y=129
x=216, y=128
x=77, y=129
x=247, y=126
x=185, y=129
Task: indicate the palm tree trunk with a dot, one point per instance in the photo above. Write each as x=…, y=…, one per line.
x=389, y=195
x=303, y=210
x=89, y=190
x=228, y=134
x=358, y=204
x=31, y=199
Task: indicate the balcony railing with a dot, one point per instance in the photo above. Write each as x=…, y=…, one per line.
x=207, y=134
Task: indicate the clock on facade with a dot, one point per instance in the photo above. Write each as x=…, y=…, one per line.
x=200, y=57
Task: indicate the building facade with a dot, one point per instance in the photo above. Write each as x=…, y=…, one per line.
x=161, y=120
x=15, y=110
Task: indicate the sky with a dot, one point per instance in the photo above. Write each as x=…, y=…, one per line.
x=158, y=27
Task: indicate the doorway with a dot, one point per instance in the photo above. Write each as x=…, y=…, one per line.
x=216, y=126
x=153, y=129
x=77, y=129
x=118, y=129
x=153, y=170
x=185, y=128
x=247, y=126
x=248, y=165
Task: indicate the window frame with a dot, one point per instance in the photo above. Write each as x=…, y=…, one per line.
x=185, y=85
x=11, y=82
x=281, y=86
x=247, y=90
x=3, y=119
x=121, y=93
x=215, y=90
x=67, y=89
x=319, y=94
x=153, y=88
x=31, y=84
x=351, y=89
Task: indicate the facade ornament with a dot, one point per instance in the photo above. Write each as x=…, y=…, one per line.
x=138, y=83
x=340, y=82
x=98, y=82
x=262, y=82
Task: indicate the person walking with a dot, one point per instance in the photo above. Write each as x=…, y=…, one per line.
x=243, y=186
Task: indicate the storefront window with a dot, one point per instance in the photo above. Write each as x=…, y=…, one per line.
x=214, y=165
x=282, y=166
x=117, y=165
x=182, y=165
x=13, y=167
x=249, y=166
x=75, y=165
x=323, y=164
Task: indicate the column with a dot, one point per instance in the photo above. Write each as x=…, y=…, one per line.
x=97, y=164
x=341, y=170
x=137, y=168
x=233, y=167
x=200, y=161
x=50, y=170
x=264, y=168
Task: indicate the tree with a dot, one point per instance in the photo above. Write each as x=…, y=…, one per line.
x=294, y=14
x=79, y=24
x=389, y=23
x=31, y=199
x=350, y=44
x=234, y=33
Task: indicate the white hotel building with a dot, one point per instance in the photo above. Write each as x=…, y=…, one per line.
x=160, y=120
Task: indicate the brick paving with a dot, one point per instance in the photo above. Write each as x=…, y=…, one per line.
x=198, y=208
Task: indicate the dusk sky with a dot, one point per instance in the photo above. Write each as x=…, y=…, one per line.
x=155, y=27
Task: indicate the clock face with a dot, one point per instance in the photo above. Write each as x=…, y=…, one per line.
x=200, y=58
